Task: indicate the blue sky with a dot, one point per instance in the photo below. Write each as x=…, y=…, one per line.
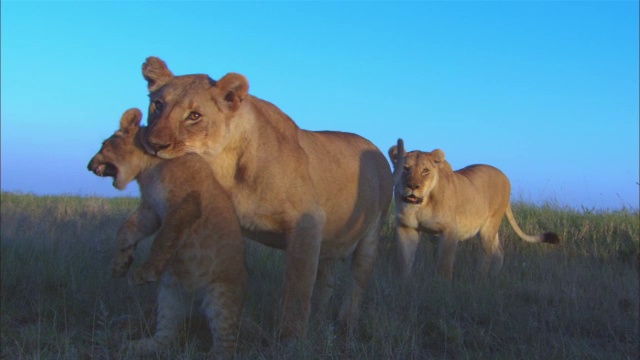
x=545, y=91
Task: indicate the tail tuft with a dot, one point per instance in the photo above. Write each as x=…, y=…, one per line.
x=551, y=238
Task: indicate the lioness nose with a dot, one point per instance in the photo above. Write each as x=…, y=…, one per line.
x=158, y=146
x=413, y=186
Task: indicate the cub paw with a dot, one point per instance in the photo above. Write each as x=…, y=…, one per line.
x=120, y=265
x=145, y=274
x=144, y=346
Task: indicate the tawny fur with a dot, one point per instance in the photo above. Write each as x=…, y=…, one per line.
x=319, y=196
x=456, y=205
x=198, y=247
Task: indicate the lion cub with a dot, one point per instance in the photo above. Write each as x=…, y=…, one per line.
x=198, y=246
x=456, y=205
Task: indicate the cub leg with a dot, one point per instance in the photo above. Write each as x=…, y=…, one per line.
x=177, y=222
x=408, y=239
x=222, y=306
x=140, y=224
x=171, y=313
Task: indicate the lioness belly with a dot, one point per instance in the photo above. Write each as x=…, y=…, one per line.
x=354, y=185
x=467, y=232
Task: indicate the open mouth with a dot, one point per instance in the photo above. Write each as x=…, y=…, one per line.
x=412, y=199
x=106, y=169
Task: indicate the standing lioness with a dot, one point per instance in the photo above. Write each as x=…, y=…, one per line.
x=198, y=238
x=430, y=197
x=319, y=196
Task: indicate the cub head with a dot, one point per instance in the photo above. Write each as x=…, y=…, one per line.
x=190, y=113
x=120, y=155
x=416, y=173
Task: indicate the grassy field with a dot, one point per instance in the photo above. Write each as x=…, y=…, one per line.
x=578, y=300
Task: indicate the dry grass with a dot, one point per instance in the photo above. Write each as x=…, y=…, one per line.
x=575, y=301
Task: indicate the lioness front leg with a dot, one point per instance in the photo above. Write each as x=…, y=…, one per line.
x=447, y=253
x=323, y=287
x=142, y=223
x=301, y=265
x=408, y=239
x=362, y=263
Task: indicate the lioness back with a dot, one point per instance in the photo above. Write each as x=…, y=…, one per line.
x=480, y=189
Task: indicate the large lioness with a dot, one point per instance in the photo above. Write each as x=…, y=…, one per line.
x=319, y=196
x=456, y=205
x=198, y=240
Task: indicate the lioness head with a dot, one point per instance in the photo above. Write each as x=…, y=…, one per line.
x=416, y=172
x=120, y=154
x=190, y=113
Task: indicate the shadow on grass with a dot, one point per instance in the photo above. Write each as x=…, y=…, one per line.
x=576, y=300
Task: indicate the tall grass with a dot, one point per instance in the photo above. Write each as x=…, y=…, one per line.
x=578, y=300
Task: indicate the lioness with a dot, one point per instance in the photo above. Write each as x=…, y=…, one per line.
x=198, y=240
x=456, y=205
x=319, y=196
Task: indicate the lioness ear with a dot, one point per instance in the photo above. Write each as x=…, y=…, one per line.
x=156, y=72
x=130, y=120
x=438, y=156
x=233, y=89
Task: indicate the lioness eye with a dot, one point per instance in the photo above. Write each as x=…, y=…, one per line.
x=193, y=116
x=425, y=171
x=159, y=105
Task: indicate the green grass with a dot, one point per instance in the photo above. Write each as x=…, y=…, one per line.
x=578, y=300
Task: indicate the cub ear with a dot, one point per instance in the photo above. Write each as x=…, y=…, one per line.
x=438, y=156
x=233, y=90
x=156, y=72
x=130, y=121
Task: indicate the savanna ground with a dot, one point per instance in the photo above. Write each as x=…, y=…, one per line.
x=578, y=300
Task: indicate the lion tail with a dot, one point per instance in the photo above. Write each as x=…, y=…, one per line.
x=398, y=161
x=548, y=237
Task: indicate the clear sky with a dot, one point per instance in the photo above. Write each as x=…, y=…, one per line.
x=546, y=91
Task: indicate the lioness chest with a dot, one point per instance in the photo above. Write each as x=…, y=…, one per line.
x=422, y=218
x=436, y=221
